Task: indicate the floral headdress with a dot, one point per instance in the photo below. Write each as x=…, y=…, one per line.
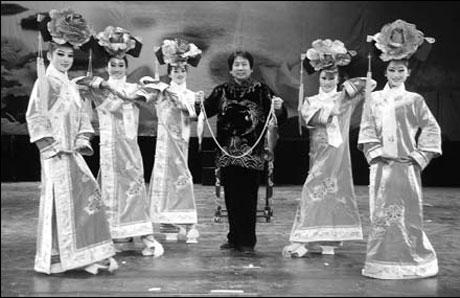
x=399, y=40
x=327, y=54
x=65, y=27
x=178, y=51
x=118, y=42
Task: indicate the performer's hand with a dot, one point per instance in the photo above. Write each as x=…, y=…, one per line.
x=338, y=106
x=148, y=80
x=199, y=97
x=53, y=150
x=336, y=110
x=82, y=88
x=83, y=146
x=268, y=154
x=91, y=82
x=277, y=102
x=408, y=159
x=387, y=159
x=324, y=116
x=380, y=159
x=83, y=82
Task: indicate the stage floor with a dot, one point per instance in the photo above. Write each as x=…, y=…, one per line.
x=204, y=270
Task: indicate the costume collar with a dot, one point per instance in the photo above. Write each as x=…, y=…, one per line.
x=324, y=95
x=117, y=83
x=173, y=85
x=395, y=91
x=53, y=72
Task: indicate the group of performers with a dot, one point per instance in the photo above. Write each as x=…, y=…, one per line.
x=83, y=219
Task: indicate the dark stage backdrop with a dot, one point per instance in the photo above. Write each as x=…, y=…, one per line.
x=275, y=32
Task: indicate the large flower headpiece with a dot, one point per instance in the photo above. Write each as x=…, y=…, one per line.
x=398, y=40
x=178, y=51
x=328, y=54
x=118, y=42
x=66, y=26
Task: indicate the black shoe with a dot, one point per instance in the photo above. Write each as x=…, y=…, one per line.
x=123, y=240
x=227, y=245
x=247, y=250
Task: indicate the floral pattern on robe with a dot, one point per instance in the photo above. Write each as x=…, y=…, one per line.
x=398, y=247
x=122, y=171
x=73, y=230
x=171, y=193
x=328, y=210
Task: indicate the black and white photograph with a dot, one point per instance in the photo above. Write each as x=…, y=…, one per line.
x=230, y=148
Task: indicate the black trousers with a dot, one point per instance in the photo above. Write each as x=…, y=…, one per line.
x=240, y=187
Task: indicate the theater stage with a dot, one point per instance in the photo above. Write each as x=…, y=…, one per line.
x=204, y=270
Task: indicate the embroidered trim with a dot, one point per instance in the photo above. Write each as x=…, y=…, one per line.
x=327, y=234
x=386, y=270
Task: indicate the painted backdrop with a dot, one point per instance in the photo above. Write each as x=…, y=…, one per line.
x=275, y=32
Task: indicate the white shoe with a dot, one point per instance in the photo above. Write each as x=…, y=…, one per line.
x=171, y=236
x=108, y=264
x=181, y=235
x=148, y=251
x=327, y=250
x=153, y=247
x=193, y=235
x=294, y=250
x=113, y=265
x=94, y=268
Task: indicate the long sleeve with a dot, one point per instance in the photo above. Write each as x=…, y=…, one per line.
x=368, y=141
x=85, y=129
x=189, y=103
x=315, y=113
x=281, y=114
x=97, y=96
x=429, y=141
x=151, y=92
x=308, y=111
x=211, y=103
x=38, y=122
x=85, y=111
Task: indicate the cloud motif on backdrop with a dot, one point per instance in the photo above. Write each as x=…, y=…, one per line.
x=275, y=37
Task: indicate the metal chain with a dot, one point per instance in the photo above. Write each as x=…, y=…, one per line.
x=270, y=115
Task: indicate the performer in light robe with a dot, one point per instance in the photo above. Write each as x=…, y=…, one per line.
x=73, y=231
x=171, y=193
x=328, y=212
x=121, y=168
x=398, y=247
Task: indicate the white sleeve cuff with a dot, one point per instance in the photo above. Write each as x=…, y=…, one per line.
x=420, y=158
x=373, y=153
x=96, y=82
x=50, y=150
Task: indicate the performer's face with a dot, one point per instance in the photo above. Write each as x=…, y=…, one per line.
x=241, y=69
x=397, y=73
x=61, y=58
x=116, y=68
x=328, y=81
x=178, y=74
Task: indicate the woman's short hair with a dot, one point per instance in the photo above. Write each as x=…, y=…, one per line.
x=243, y=54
